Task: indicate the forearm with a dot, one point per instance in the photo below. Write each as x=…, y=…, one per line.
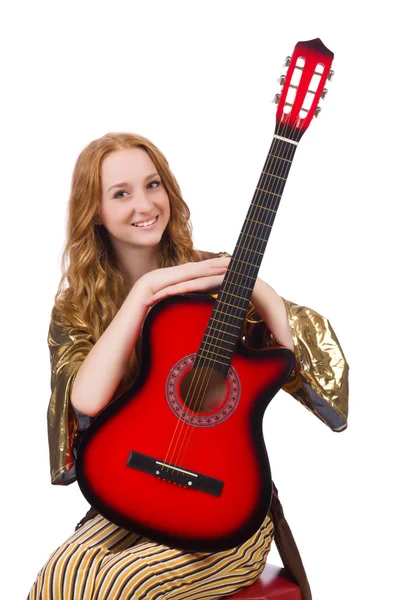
x=102, y=370
x=270, y=306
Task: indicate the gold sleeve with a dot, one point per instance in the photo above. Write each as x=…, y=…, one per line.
x=320, y=377
x=69, y=344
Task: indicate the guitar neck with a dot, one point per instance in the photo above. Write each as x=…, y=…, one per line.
x=303, y=86
x=227, y=317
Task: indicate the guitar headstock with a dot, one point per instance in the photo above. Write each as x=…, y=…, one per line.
x=309, y=67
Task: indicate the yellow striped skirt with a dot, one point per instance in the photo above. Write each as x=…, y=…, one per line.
x=102, y=561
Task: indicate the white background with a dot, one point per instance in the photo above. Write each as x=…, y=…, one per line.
x=197, y=78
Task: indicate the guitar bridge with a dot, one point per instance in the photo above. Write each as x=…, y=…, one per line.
x=173, y=474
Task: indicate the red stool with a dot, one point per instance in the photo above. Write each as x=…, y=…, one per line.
x=273, y=584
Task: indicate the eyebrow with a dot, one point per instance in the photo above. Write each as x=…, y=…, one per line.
x=126, y=183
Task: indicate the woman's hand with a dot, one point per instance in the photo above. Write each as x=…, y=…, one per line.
x=199, y=276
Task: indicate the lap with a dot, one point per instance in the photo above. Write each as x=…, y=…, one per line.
x=99, y=532
x=102, y=560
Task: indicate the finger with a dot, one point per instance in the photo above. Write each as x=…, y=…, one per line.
x=223, y=260
x=193, y=285
x=170, y=290
x=207, y=265
x=187, y=271
x=192, y=271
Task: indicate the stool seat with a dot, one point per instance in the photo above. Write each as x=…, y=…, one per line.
x=273, y=584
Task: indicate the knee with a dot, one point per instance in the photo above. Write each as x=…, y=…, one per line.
x=64, y=575
x=127, y=578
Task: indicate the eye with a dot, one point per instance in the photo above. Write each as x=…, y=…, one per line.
x=116, y=195
x=158, y=183
x=119, y=192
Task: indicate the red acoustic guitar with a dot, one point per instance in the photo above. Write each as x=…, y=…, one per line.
x=180, y=457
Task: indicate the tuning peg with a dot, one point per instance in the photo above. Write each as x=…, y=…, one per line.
x=276, y=98
x=287, y=61
x=317, y=111
x=281, y=79
x=324, y=93
x=330, y=75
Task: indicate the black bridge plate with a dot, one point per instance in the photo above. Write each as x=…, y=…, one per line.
x=174, y=474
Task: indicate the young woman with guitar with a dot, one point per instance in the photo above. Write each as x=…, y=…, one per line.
x=129, y=251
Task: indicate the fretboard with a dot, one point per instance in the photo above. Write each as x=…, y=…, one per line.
x=227, y=317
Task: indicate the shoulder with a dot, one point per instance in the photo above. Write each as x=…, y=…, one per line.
x=65, y=312
x=65, y=325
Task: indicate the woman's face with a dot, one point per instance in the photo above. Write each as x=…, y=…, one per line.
x=132, y=194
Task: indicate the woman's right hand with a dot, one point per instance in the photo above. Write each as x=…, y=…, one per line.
x=205, y=275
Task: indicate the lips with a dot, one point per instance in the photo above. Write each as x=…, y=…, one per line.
x=148, y=221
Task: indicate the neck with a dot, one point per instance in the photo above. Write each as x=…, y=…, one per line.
x=135, y=262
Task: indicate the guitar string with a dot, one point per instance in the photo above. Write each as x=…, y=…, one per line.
x=276, y=145
x=291, y=154
x=262, y=181
x=246, y=250
x=252, y=229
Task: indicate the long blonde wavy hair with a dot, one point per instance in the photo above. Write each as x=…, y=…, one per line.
x=97, y=285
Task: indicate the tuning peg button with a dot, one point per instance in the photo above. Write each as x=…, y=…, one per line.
x=276, y=98
x=281, y=79
x=324, y=93
x=330, y=75
x=287, y=61
x=317, y=111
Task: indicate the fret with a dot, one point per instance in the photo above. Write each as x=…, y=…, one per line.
x=245, y=262
x=218, y=339
x=228, y=304
x=280, y=157
x=216, y=354
x=224, y=323
x=256, y=237
x=263, y=207
x=249, y=250
x=245, y=274
x=234, y=295
x=273, y=175
x=260, y=222
x=268, y=192
x=242, y=286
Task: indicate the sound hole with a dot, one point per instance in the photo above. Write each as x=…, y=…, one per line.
x=203, y=390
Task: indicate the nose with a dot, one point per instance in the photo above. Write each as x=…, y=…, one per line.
x=141, y=202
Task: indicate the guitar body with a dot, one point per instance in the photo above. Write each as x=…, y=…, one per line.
x=192, y=478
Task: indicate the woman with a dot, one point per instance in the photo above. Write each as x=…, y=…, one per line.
x=129, y=243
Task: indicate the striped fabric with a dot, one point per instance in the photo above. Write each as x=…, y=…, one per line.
x=102, y=561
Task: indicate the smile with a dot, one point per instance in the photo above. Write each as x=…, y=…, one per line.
x=146, y=224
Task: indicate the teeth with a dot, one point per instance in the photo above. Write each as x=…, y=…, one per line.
x=145, y=223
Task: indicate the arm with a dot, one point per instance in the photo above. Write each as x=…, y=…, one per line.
x=101, y=372
x=106, y=363
x=319, y=380
x=69, y=343
x=86, y=375
x=83, y=379
x=271, y=309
